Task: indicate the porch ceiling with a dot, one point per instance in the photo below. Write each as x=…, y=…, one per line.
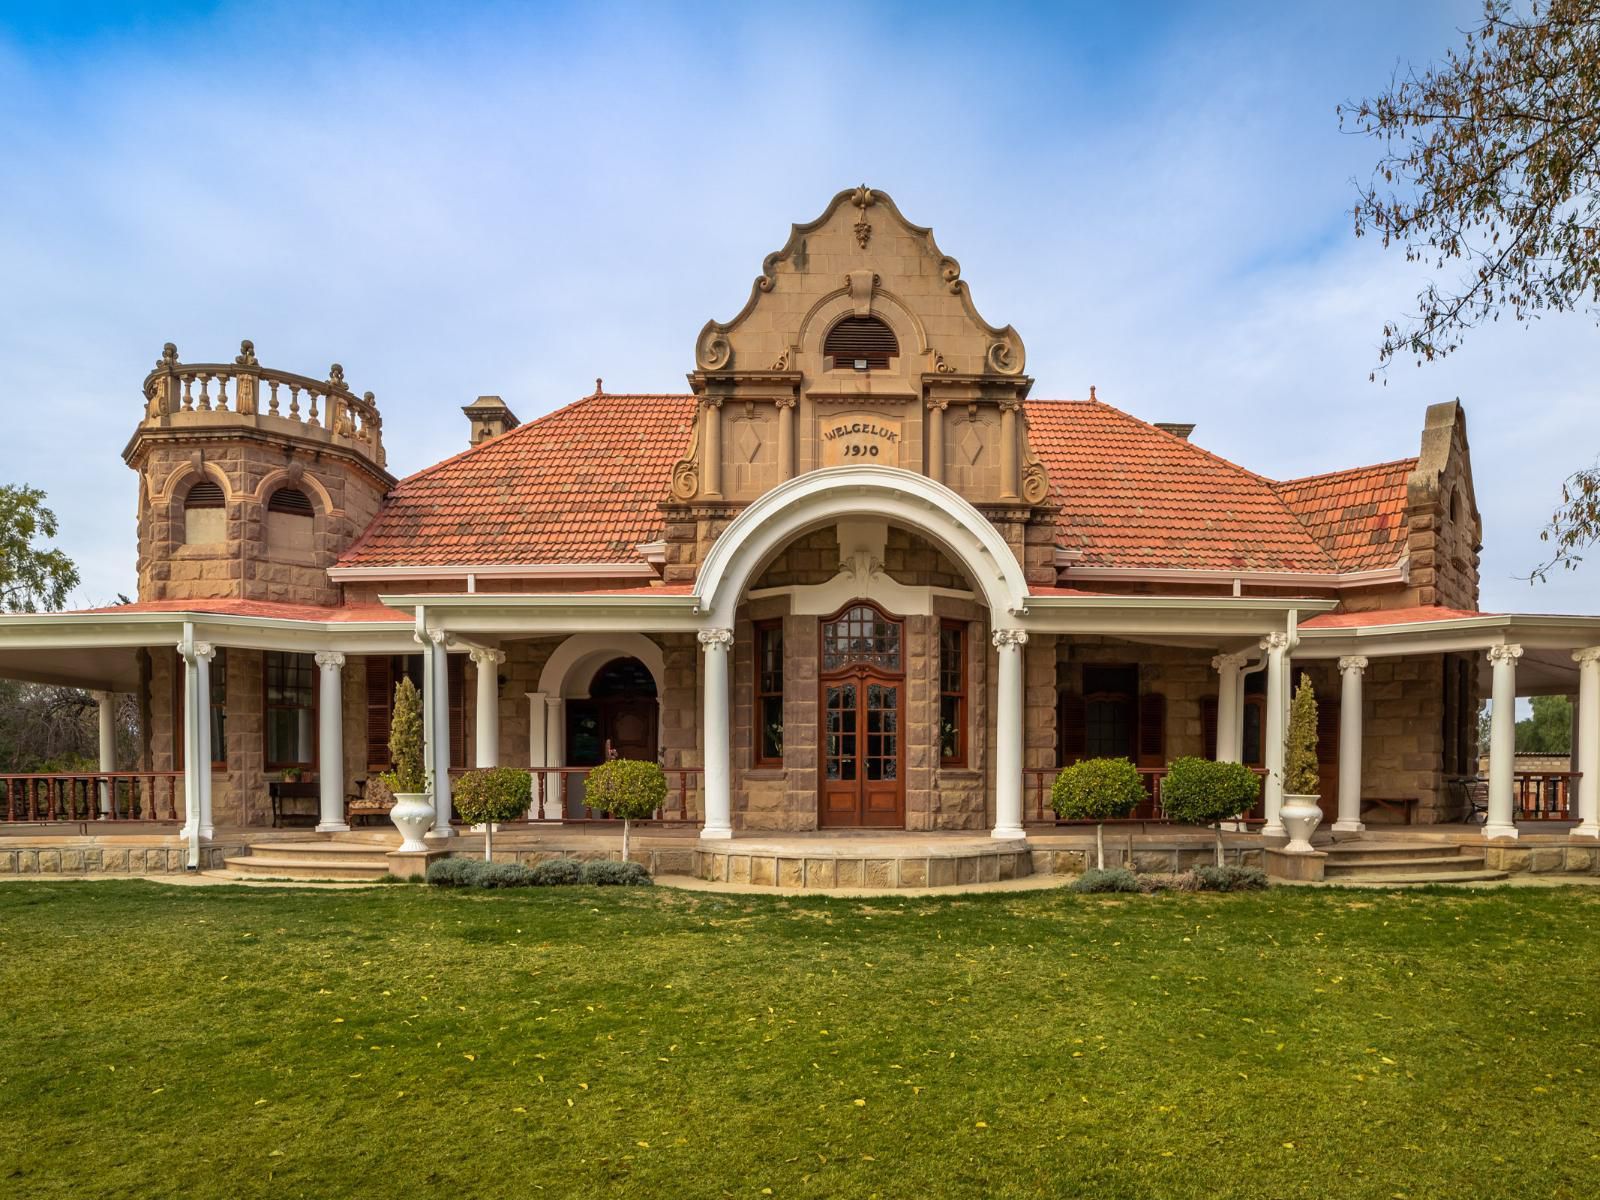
x=98, y=668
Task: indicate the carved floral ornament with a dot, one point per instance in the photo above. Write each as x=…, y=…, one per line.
x=863, y=199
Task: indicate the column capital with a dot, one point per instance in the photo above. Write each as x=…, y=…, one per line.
x=487, y=655
x=438, y=636
x=715, y=639
x=1586, y=657
x=938, y=403
x=205, y=650
x=1353, y=662
x=1220, y=662
x=1275, y=641
x=1505, y=654
x=329, y=658
x=102, y=697
x=784, y=402
x=1009, y=637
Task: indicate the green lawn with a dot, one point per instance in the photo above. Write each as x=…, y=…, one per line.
x=576, y=1042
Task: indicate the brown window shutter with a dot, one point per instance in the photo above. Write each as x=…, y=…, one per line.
x=1152, y=730
x=1327, y=731
x=457, y=674
x=1072, y=737
x=380, y=702
x=1208, y=725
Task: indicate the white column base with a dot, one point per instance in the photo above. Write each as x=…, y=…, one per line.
x=208, y=833
x=717, y=832
x=1507, y=830
x=1012, y=832
x=1274, y=829
x=441, y=831
x=1348, y=827
x=1588, y=831
x=340, y=827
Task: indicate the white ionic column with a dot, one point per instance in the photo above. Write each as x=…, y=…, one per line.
x=1501, y=821
x=191, y=752
x=1008, y=643
x=330, y=741
x=107, y=702
x=1277, y=647
x=204, y=652
x=536, y=751
x=1588, y=742
x=487, y=717
x=555, y=755
x=439, y=748
x=1349, y=819
x=1229, y=683
x=717, y=644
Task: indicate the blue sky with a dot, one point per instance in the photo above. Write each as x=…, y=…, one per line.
x=453, y=200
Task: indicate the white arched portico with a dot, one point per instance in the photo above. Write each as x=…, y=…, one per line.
x=825, y=497
x=568, y=674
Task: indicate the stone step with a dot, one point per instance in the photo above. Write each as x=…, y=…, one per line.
x=305, y=868
x=1408, y=863
x=330, y=852
x=1366, y=851
x=1384, y=879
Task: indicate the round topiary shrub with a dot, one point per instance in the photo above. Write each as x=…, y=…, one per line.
x=1097, y=789
x=557, y=872
x=492, y=794
x=605, y=873
x=1198, y=791
x=626, y=788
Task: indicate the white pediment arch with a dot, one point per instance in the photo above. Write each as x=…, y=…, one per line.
x=820, y=498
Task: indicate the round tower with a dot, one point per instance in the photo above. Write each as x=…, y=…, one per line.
x=251, y=480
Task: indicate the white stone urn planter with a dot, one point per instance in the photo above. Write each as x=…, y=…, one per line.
x=1300, y=816
x=412, y=815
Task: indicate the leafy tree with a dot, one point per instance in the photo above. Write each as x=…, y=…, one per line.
x=1490, y=176
x=626, y=788
x=1549, y=729
x=31, y=576
x=492, y=794
x=1198, y=791
x=1098, y=790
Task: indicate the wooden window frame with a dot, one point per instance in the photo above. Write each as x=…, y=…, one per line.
x=266, y=709
x=960, y=758
x=762, y=630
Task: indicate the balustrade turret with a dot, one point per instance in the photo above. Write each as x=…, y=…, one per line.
x=207, y=394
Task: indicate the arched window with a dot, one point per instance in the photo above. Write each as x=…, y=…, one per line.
x=861, y=635
x=205, y=517
x=290, y=523
x=860, y=343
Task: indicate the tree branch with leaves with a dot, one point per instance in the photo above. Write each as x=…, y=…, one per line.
x=31, y=576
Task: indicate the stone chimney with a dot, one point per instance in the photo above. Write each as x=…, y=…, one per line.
x=1177, y=428
x=490, y=418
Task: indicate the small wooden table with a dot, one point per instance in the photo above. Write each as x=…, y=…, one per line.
x=298, y=802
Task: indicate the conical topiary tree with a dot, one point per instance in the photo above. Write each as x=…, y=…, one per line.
x=1300, y=743
x=406, y=773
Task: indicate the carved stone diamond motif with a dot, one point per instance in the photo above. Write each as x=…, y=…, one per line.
x=969, y=443
x=747, y=442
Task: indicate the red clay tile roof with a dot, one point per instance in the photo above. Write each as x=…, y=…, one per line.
x=579, y=485
x=1388, y=616
x=261, y=608
x=1132, y=495
x=1359, y=515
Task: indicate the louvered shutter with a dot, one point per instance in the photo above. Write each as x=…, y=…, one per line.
x=1072, y=736
x=1328, y=754
x=863, y=339
x=457, y=673
x=380, y=703
x=1152, y=730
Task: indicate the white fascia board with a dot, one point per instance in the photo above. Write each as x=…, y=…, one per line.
x=1272, y=579
x=1169, y=615
x=480, y=613
x=45, y=631
x=1537, y=631
x=622, y=570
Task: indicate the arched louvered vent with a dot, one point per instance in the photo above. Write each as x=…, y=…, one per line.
x=206, y=493
x=860, y=342
x=290, y=500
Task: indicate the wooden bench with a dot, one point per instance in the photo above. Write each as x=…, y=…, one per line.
x=298, y=802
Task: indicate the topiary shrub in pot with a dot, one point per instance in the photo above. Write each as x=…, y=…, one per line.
x=492, y=794
x=412, y=813
x=1302, y=808
x=1097, y=789
x=1198, y=791
x=626, y=788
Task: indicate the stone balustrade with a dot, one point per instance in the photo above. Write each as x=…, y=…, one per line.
x=204, y=393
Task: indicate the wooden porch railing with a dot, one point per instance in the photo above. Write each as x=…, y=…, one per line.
x=1037, y=811
x=1543, y=795
x=566, y=783
x=91, y=796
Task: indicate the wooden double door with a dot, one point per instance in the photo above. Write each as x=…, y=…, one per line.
x=861, y=704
